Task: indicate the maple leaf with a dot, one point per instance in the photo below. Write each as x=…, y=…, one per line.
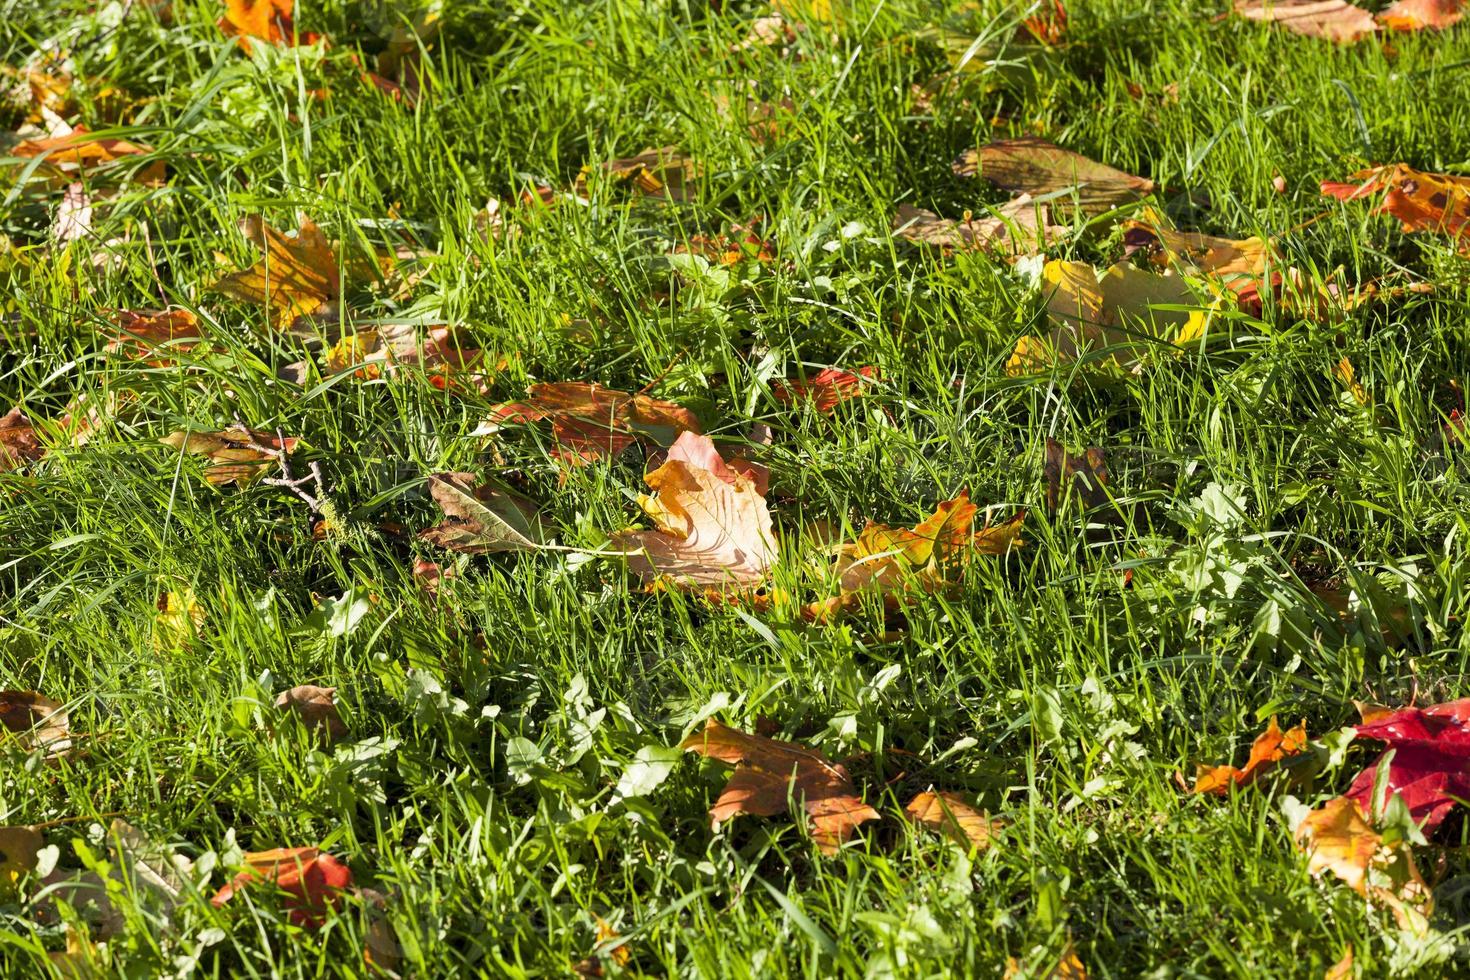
x=589, y=421
x=713, y=528
x=1224, y=258
x=1416, y=15
x=35, y=723
x=1119, y=312
x=770, y=775
x=18, y=442
x=949, y=814
x=298, y=276
x=237, y=455
x=1031, y=165
x=140, y=334
x=1431, y=202
x=1018, y=227
x=387, y=349
x=666, y=172
x=316, y=707
x=263, y=20
x=1086, y=475
x=1338, y=838
x=1430, y=767
x=1333, y=20
x=826, y=389
x=313, y=882
x=480, y=519
x=1268, y=749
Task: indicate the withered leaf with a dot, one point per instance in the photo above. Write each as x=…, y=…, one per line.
x=1338, y=838
x=481, y=519
x=1031, y=165
x=770, y=775
x=80, y=151
x=950, y=815
x=1018, y=227
x=1085, y=475
x=386, y=350
x=262, y=20
x=35, y=723
x=589, y=422
x=1333, y=20
x=666, y=172
x=1437, y=203
x=18, y=442
x=140, y=334
x=236, y=455
x=713, y=527
x=297, y=276
x=316, y=707
x=19, y=847
x=1417, y=15
x=1269, y=748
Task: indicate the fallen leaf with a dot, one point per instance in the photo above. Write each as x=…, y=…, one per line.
x=1049, y=22
x=177, y=620
x=35, y=723
x=73, y=220
x=1438, y=203
x=298, y=276
x=1225, y=258
x=1120, y=312
x=589, y=422
x=1416, y=15
x=1031, y=165
x=713, y=527
x=1344, y=372
x=432, y=578
x=313, y=882
x=1343, y=968
x=1333, y=20
x=18, y=442
x=1018, y=227
x=1338, y=838
x=140, y=334
x=1085, y=475
x=385, y=350
x=699, y=452
x=1430, y=767
x=949, y=814
x=263, y=20
x=826, y=389
x=481, y=519
x=81, y=152
x=236, y=455
x=666, y=172
x=316, y=707
x=770, y=775
x=1268, y=749
x=1068, y=967
x=19, y=847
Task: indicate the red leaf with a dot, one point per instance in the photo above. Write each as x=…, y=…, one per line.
x=1430, y=767
x=313, y=881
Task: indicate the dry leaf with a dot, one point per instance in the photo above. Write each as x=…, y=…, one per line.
x=1119, y=312
x=1085, y=475
x=1416, y=15
x=73, y=220
x=313, y=882
x=1049, y=23
x=139, y=334
x=316, y=707
x=1334, y=20
x=1068, y=967
x=19, y=847
x=589, y=422
x=236, y=455
x=1228, y=259
x=1268, y=749
x=826, y=389
x=481, y=519
x=1031, y=165
x=1343, y=968
x=18, y=442
x=431, y=577
x=1338, y=838
x=79, y=151
x=385, y=350
x=1438, y=203
x=298, y=276
x=770, y=775
x=949, y=814
x=665, y=172
x=35, y=723
x=713, y=527
x=262, y=20
x=1018, y=227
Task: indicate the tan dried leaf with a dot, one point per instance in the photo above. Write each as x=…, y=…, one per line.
x=316, y=707
x=1031, y=165
x=1332, y=20
x=237, y=455
x=35, y=723
x=950, y=815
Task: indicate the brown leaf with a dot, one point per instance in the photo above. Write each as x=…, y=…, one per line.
x=949, y=814
x=1333, y=20
x=316, y=707
x=18, y=442
x=79, y=151
x=1437, y=203
x=431, y=577
x=139, y=334
x=589, y=422
x=298, y=276
x=35, y=723
x=19, y=847
x=770, y=775
x=713, y=528
x=665, y=172
x=1085, y=475
x=481, y=519
x=1416, y=15
x=237, y=455
x=1268, y=749
x=1227, y=259
x=1031, y=165
x=1018, y=227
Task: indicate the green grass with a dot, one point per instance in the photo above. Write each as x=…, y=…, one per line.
x=1059, y=700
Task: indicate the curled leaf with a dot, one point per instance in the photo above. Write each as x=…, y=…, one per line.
x=481, y=519
x=1268, y=749
x=589, y=422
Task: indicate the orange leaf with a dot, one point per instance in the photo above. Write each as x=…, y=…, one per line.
x=713, y=526
x=140, y=334
x=238, y=454
x=262, y=20
x=886, y=559
x=1268, y=749
x=589, y=421
x=18, y=442
x=953, y=817
x=1438, y=203
x=1416, y=15
x=770, y=774
x=297, y=276
x=1338, y=838
x=80, y=151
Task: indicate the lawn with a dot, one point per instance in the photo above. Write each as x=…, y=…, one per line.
x=202, y=512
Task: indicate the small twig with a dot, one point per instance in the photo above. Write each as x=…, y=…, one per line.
x=286, y=480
